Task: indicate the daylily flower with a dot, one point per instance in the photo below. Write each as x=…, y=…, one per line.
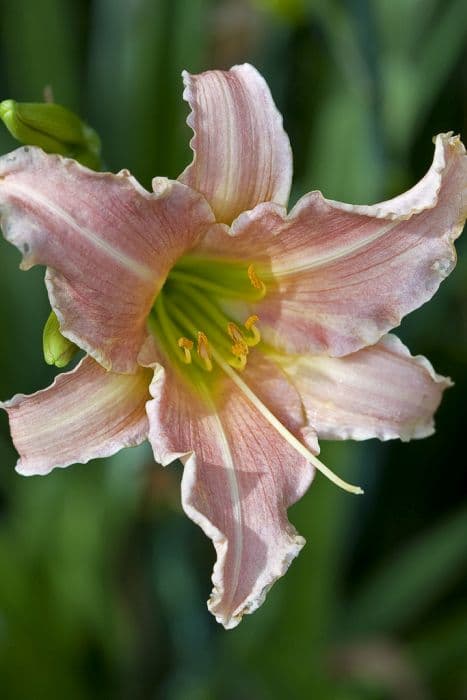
x=228, y=333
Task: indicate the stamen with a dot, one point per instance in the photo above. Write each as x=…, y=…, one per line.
x=282, y=430
x=238, y=362
x=204, y=350
x=239, y=349
x=186, y=345
x=255, y=280
x=255, y=337
x=235, y=333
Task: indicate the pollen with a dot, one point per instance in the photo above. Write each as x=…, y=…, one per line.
x=239, y=349
x=187, y=314
x=236, y=334
x=204, y=351
x=255, y=280
x=186, y=345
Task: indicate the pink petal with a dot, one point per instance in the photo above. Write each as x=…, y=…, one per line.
x=109, y=245
x=242, y=154
x=84, y=414
x=340, y=276
x=381, y=391
x=238, y=481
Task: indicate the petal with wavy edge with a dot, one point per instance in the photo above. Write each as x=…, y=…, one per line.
x=379, y=392
x=84, y=414
x=239, y=479
x=341, y=276
x=242, y=154
x=108, y=243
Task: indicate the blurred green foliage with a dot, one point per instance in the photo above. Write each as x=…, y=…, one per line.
x=102, y=578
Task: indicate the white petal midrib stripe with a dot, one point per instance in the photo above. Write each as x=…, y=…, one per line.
x=122, y=258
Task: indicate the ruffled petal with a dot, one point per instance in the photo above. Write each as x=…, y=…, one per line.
x=340, y=276
x=239, y=479
x=109, y=245
x=242, y=154
x=379, y=392
x=84, y=414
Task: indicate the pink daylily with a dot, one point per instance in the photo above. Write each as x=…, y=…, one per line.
x=228, y=333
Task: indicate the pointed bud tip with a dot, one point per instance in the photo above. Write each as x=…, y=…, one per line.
x=6, y=106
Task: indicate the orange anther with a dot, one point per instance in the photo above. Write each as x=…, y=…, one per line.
x=186, y=345
x=240, y=349
x=255, y=280
x=255, y=336
x=250, y=322
x=235, y=333
x=204, y=351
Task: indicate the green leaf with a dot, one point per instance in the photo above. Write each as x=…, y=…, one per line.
x=403, y=587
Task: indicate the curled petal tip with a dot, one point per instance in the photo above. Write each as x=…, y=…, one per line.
x=379, y=392
x=242, y=155
x=161, y=186
x=343, y=274
x=85, y=414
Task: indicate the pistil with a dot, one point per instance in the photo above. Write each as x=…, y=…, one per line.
x=282, y=430
x=184, y=312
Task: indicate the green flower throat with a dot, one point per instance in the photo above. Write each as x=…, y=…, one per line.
x=189, y=317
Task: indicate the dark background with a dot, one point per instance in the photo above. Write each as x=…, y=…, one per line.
x=103, y=580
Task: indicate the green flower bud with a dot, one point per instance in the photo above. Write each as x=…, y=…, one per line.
x=52, y=127
x=55, y=129
x=58, y=350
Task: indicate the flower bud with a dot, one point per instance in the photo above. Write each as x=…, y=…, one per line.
x=58, y=350
x=53, y=128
